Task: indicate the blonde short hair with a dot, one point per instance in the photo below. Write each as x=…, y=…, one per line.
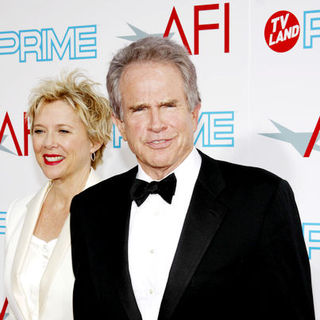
x=76, y=89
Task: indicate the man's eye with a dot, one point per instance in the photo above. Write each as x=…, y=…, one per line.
x=37, y=131
x=63, y=131
x=138, y=109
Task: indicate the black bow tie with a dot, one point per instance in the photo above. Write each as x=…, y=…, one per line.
x=140, y=189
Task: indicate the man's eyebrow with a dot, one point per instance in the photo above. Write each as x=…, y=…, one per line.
x=168, y=102
x=137, y=106
x=146, y=105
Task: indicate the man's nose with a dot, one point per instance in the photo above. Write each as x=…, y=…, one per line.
x=157, y=122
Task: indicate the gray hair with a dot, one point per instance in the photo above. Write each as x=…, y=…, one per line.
x=154, y=49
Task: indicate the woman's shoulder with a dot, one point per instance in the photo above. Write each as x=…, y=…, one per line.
x=20, y=202
x=18, y=207
x=23, y=201
x=15, y=215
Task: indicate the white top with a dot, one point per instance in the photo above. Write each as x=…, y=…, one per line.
x=154, y=232
x=35, y=264
x=56, y=287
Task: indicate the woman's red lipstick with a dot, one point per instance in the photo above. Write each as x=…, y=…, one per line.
x=52, y=159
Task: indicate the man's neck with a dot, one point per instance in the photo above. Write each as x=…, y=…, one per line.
x=158, y=173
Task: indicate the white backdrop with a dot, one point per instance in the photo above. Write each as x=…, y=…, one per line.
x=260, y=107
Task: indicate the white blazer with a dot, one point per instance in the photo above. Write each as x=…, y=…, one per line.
x=56, y=287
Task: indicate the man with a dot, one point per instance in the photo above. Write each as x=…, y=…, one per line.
x=212, y=240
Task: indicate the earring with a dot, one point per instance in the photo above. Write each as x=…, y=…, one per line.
x=93, y=156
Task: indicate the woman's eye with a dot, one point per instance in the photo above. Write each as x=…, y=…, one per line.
x=37, y=131
x=63, y=131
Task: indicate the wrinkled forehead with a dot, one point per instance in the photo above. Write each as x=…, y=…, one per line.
x=142, y=65
x=151, y=82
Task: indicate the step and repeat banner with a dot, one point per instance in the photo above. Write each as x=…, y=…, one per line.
x=258, y=67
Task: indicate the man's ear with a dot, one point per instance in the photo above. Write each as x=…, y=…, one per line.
x=120, y=125
x=195, y=116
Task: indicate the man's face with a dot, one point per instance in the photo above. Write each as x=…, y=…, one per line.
x=157, y=122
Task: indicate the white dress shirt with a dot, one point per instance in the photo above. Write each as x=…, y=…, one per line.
x=154, y=232
x=35, y=264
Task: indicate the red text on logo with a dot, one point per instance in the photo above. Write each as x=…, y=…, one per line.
x=26, y=131
x=201, y=27
x=313, y=139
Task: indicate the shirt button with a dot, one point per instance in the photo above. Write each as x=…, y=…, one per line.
x=150, y=291
x=151, y=251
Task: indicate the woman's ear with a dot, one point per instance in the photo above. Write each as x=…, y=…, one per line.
x=95, y=146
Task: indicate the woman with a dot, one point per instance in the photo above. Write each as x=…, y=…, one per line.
x=70, y=126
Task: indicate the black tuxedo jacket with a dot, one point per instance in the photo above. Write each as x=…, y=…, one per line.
x=241, y=253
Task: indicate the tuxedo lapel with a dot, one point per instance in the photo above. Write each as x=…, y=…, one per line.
x=203, y=219
x=123, y=277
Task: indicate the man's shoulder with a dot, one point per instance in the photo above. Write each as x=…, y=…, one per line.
x=111, y=185
x=234, y=173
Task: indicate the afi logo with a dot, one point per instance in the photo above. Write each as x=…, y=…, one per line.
x=303, y=142
x=7, y=124
x=223, y=24
x=197, y=27
x=3, y=314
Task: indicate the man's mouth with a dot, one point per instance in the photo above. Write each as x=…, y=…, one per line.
x=159, y=143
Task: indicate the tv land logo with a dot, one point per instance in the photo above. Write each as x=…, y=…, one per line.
x=77, y=42
x=177, y=20
x=303, y=142
x=282, y=30
x=215, y=129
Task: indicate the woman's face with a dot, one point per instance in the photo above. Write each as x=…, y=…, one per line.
x=60, y=142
